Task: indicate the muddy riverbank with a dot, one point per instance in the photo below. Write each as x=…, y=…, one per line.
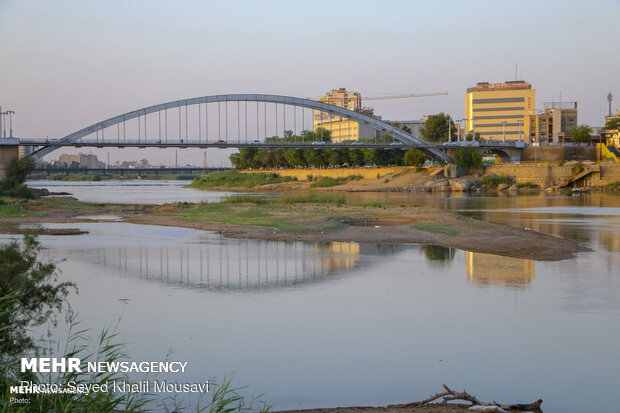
x=325, y=218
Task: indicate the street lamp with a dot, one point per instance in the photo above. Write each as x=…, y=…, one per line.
x=10, y=113
x=473, y=129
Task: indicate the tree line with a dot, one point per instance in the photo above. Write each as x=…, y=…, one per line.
x=321, y=157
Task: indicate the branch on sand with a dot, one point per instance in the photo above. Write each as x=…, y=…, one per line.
x=451, y=395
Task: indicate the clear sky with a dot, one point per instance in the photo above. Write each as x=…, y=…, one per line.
x=67, y=64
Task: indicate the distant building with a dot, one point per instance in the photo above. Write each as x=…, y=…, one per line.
x=414, y=125
x=343, y=129
x=495, y=110
x=553, y=124
x=82, y=160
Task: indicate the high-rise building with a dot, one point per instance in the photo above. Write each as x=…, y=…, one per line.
x=554, y=123
x=498, y=110
x=342, y=129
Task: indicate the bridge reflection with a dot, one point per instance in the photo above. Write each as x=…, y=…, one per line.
x=233, y=265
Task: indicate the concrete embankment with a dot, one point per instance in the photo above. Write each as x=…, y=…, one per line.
x=404, y=178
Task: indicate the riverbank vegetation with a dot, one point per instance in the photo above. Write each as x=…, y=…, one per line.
x=234, y=179
x=492, y=181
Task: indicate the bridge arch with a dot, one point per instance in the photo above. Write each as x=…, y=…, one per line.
x=372, y=122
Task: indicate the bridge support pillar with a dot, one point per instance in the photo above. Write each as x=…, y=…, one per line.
x=9, y=149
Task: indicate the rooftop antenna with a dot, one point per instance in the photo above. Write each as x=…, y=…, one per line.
x=610, y=97
x=516, y=67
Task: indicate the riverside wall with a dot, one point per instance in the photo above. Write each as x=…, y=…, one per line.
x=553, y=153
x=549, y=176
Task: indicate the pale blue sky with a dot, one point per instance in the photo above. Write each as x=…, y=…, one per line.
x=66, y=64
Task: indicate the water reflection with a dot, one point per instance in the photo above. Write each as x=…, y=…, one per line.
x=222, y=264
x=488, y=269
x=438, y=255
x=219, y=264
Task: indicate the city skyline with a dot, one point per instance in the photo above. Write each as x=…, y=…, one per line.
x=67, y=66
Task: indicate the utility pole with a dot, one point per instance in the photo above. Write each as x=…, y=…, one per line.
x=176, y=159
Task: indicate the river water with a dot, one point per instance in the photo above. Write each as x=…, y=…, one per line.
x=333, y=324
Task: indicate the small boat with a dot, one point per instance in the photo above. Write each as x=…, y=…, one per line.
x=579, y=191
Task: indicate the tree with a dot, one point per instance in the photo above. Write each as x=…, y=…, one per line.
x=29, y=293
x=19, y=168
x=468, y=136
x=13, y=185
x=357, y=157
x=612, y=124
x=414, y=157
x=581, y=134
x=467, y=157
x=323, y=135
x=294, y=157
x=436, y=128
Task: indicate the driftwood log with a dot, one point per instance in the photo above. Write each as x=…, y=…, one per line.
x=451, y=395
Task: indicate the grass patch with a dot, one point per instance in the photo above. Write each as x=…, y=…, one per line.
x=437, y=227
x=373, y=204
x=493, y=181
x=326, y=182
x=313, y=198
x=234, y=179
x=16, y=211
x=247, y=199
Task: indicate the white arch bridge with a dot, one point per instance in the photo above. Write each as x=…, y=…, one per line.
x=232, y=120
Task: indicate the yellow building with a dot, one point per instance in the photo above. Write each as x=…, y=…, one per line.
x=495, y=110
x=342, y=129
x=554, y=123
x=612, y=136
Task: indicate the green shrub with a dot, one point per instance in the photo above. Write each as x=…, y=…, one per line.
x=385, y=181
x=526, y=185
x=561, y=162
x=414, y=157
x=492, y=181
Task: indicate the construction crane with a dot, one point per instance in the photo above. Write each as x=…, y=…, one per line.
x=411, y=95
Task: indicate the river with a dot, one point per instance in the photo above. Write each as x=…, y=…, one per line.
x=334, y=324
